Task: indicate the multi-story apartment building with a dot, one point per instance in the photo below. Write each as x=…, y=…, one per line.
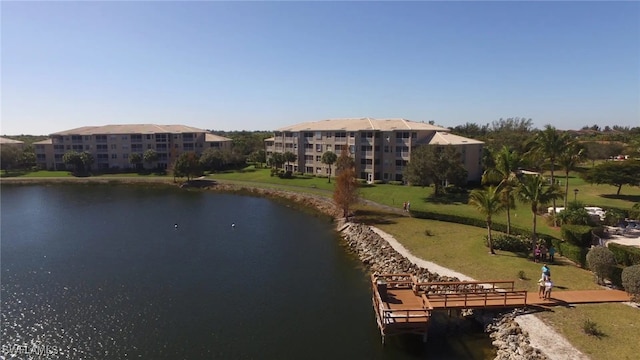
x=381, y=147
x=11, y=143
x=111, y=145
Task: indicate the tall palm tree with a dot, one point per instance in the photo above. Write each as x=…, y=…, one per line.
x=549, y=143
x=488, y=202
x=572, y=155
x=504, y=173
x=534, y=191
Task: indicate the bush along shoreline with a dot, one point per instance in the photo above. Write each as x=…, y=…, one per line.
x=377, y=255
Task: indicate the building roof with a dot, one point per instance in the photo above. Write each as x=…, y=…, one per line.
x=446, y=138
x=6, y=141
x=43, y=142
x=358, y=124
x=131, y=129
x=215, y=138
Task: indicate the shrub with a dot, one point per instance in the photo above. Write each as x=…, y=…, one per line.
x=378, y=182
x=625, y=255
x=601, y=261
x=578, y=235
x=395, y=183
x=522, y=275
x=286, y=175
x=591, y=328
x=572, y=252
x=454, y=189
x=578, y=216
x=509, y=243
x=634, y=213
x=631, y=280
x=614, y=217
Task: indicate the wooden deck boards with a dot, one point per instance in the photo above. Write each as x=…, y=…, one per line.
x=401, y=308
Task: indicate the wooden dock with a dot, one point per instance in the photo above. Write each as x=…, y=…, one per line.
x=404, y=306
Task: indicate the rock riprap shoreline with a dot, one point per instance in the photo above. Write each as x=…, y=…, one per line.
x=511, y=342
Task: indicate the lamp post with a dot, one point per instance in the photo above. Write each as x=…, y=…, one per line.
x=575, y=194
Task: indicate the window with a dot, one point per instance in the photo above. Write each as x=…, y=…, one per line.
x=87, y=147
x=102, y=147
x=125, y=156
x=40, y=157
x=125, y=137
x=328, y=134
x=352, y=149
x=114, y=156
x=101, y=138
x=318, y=158
x=329, y=147
x=308, y=146
x=114, y=146
x=308, y=158
x=341, y=135
x=352, y=134
x=319, y=147
x=318, y=135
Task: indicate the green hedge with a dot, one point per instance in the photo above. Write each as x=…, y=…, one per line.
x=625, y=255
x=579, y=235
x=572, y=252
x=616, y=276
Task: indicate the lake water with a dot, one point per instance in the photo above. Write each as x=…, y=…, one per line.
x=101, y=272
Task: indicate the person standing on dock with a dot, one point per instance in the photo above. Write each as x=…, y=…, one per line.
x=541, y=288
x=548, y=285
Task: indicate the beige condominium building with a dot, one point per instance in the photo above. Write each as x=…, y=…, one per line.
x=381, y=148
x=111, y=145
x=11, y=143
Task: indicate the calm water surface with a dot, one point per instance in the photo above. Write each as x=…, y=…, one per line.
x=100, y=272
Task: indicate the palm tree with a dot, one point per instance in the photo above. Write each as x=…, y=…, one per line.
x=549, y=143
x=289, y=157
x=488, y=201
x=533, y=190
x=329, y=158
x=568, y=160
x=506, y=163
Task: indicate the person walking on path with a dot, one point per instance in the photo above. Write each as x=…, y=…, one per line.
x=404, y=206
x=408, y=206
x=552, y=252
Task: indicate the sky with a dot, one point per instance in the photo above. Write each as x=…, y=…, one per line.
x=266, y=65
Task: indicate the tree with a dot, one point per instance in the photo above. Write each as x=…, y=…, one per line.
x=212, y=159
x=631, y=280
x=601, y=261
x=187, y=164
x=276, y=160
x=569, y=160
x=533, y=190
x=150, y=156
x=488, y=202
x=9, y=157
x=601, y=150
x=346, y=189
x=258, y=156
x=289, y=157
x=549, y=143
x=329, y=158
x=135, y=159
x=507, y=163
x=437, y=165
x=615, y=173
x=81, y=162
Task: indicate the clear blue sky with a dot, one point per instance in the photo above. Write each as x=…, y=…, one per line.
x=265, y=65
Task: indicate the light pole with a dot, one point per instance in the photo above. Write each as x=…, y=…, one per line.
x=575, y=195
